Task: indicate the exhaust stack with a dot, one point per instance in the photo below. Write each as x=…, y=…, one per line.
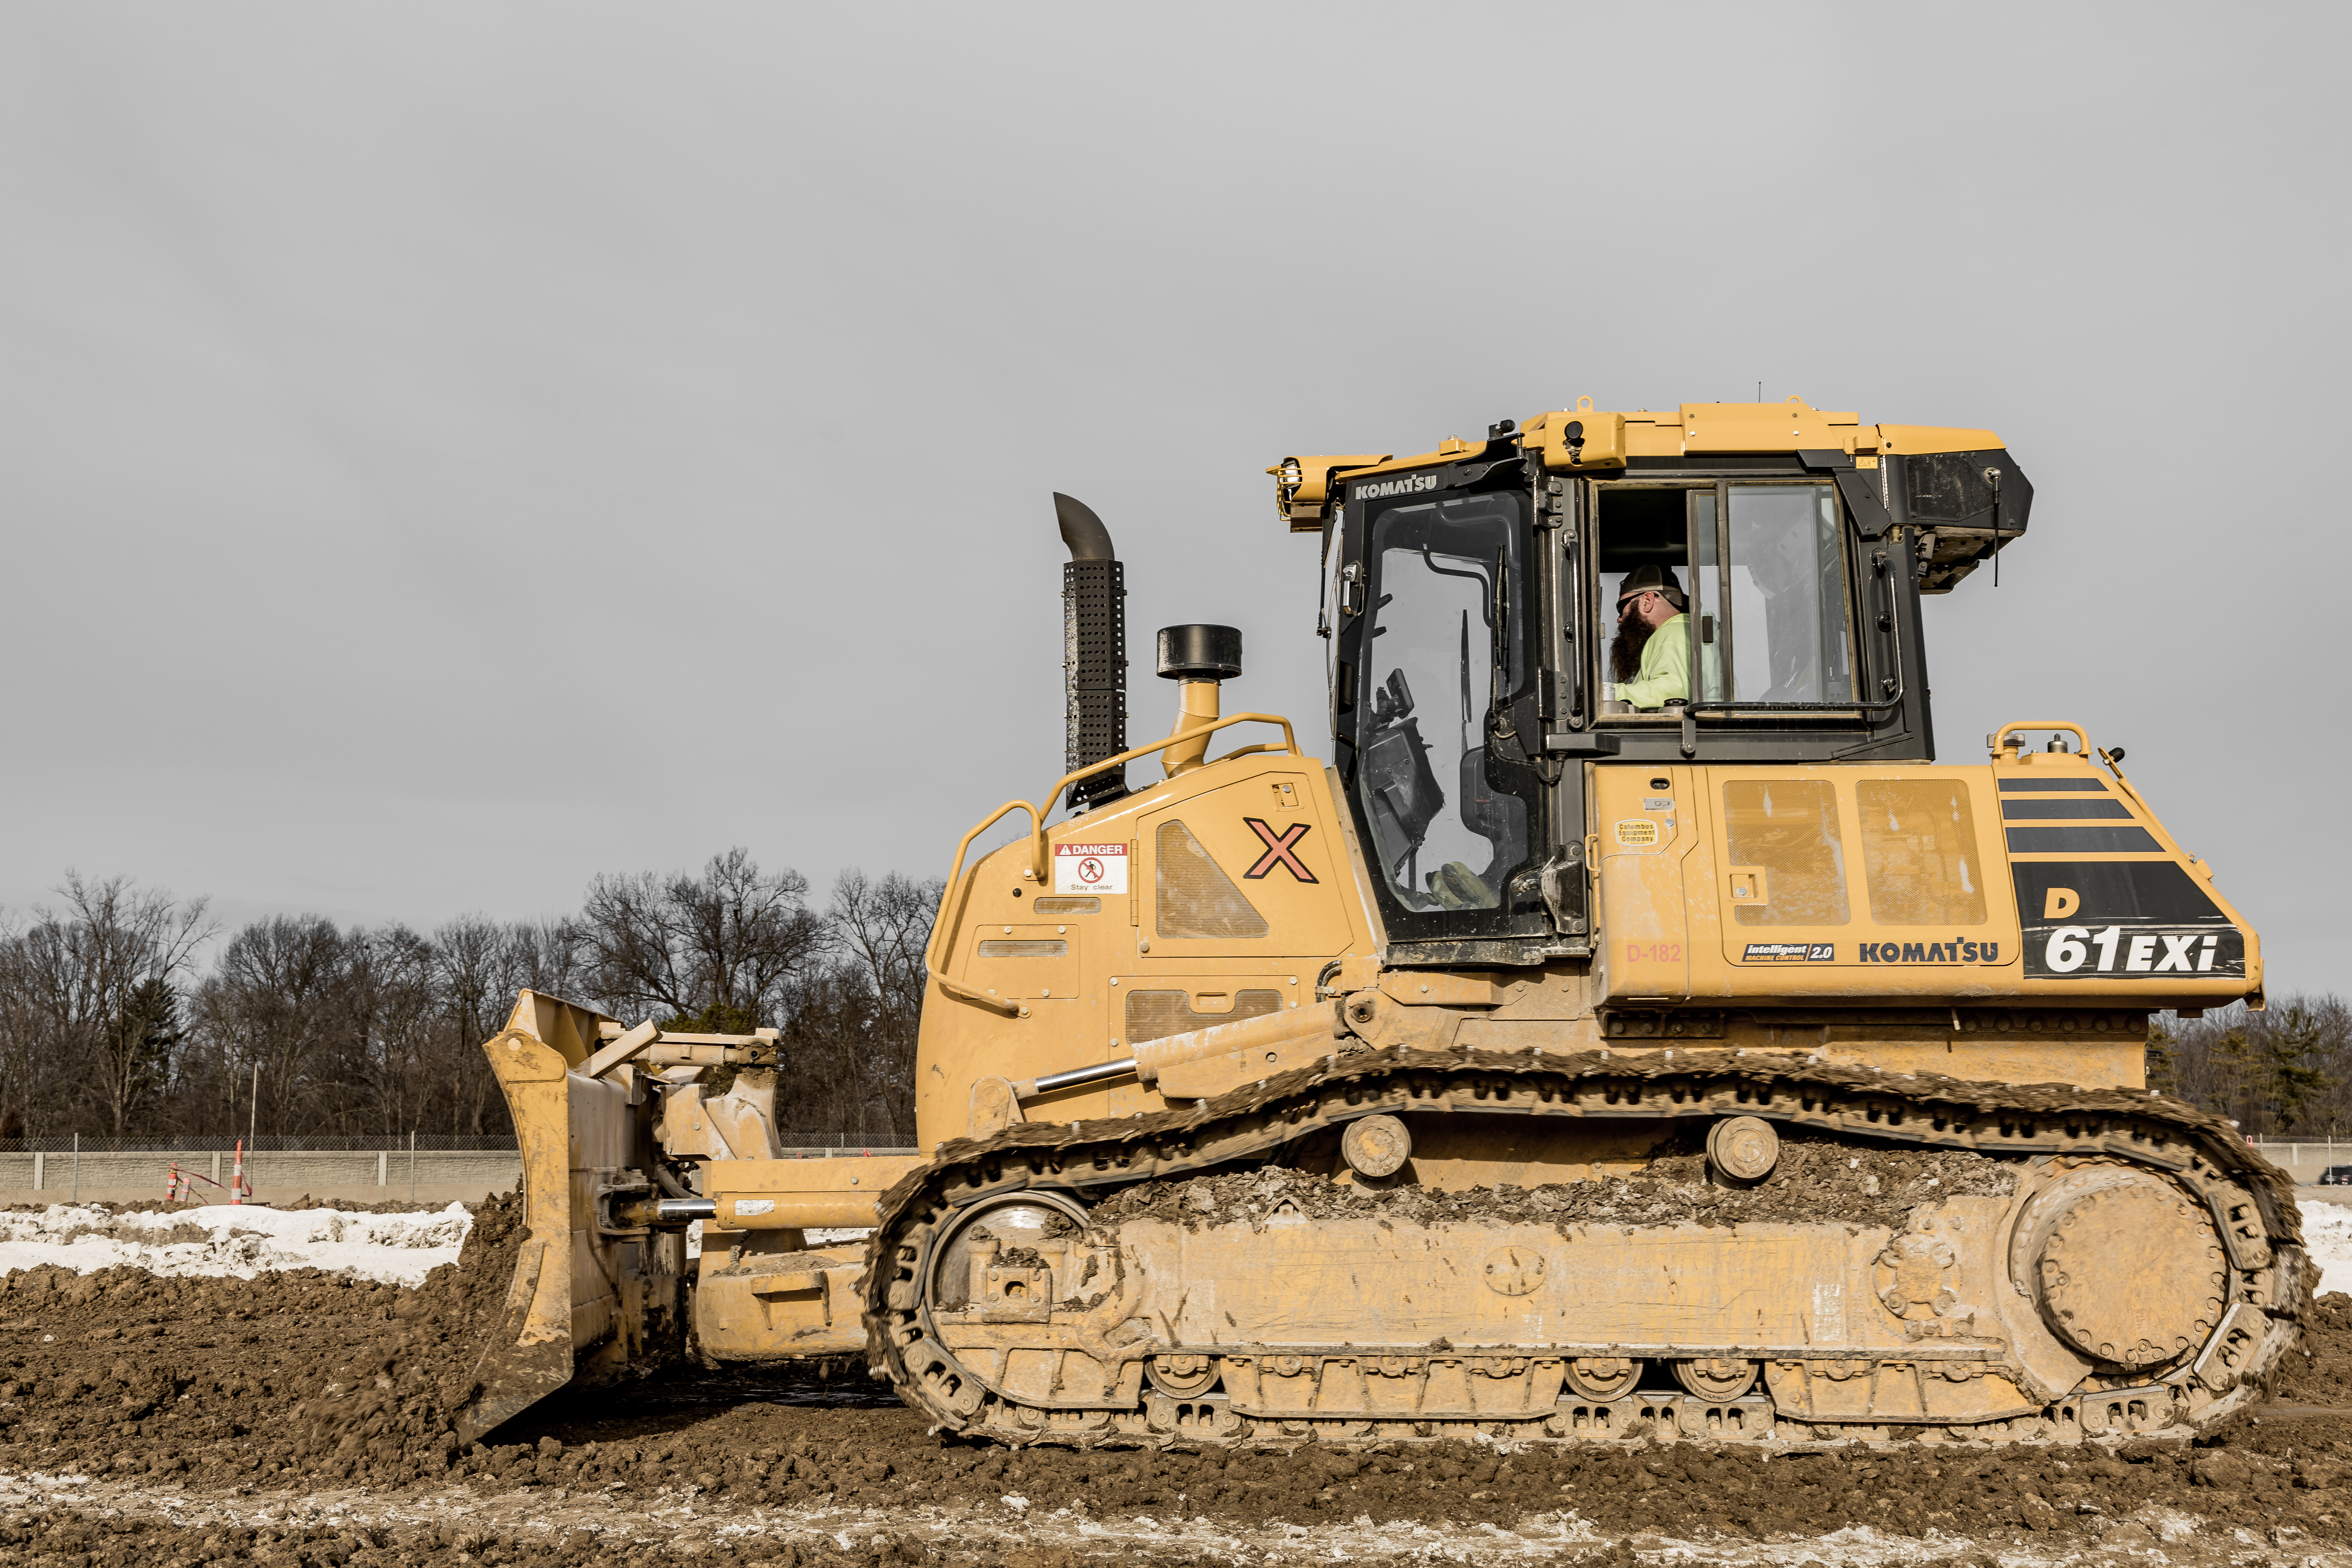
x=1094, y=653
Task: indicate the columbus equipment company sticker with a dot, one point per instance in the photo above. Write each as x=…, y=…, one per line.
x=1090, y=867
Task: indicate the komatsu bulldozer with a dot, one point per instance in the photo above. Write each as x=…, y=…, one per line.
x=1629, y=1030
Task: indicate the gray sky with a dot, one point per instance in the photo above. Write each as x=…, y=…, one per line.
x=448, y=451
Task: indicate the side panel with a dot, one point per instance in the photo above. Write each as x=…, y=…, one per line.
x=1879, y=883
x=1268, y=895
x=1248, y=870
x=2037, y=878
x=1642, y=833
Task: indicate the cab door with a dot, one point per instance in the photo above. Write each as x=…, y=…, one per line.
x=1645, y=832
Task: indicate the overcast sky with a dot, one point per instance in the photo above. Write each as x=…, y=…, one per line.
x=451, y=450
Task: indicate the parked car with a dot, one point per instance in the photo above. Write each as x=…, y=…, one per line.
x=2336, y=1176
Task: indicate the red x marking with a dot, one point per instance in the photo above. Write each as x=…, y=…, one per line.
x=1280, y=850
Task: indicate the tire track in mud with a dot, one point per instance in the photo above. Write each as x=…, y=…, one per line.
x=298, y=1418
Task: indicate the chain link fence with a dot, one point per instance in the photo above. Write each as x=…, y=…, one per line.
x=268, y=1144
x=2305, y=1158
x=795, y=1139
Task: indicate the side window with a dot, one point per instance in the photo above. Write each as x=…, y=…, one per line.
x=1918, y=853
x=1782, y=597
x=1191, y=896
x=1783, y=835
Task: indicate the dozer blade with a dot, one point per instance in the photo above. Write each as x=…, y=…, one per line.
x=582, y=1301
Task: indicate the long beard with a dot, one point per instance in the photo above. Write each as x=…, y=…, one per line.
x=1625, y=653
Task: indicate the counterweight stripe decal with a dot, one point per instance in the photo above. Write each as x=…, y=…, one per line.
x=2083, y=841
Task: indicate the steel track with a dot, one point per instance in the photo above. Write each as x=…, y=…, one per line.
x=2250, y=1200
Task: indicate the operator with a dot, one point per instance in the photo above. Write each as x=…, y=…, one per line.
x=1651, y=655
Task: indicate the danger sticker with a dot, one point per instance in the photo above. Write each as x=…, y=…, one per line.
x=1090, y=867
x=1637, y=832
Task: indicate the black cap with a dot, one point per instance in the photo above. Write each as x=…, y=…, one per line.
x=1199, y=653
x=1649, y=578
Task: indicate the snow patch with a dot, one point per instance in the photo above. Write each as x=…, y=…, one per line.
x=238, y=1240
x=2327, y=1232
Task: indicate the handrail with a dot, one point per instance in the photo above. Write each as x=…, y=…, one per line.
x=2080, y=734
x=957, y=889
x=958, y=884
x=1037, y=837
x=2114, y=761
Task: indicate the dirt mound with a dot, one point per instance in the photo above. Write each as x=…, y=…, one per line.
x=1816, y=1178
x=227, y=1380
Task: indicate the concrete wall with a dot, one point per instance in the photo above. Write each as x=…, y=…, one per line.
x=2304, y=1161
x=439, y=1177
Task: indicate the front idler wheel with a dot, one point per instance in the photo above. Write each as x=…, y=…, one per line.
x=1000, y=1257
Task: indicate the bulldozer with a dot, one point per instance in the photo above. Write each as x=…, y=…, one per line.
x=1628, y=1031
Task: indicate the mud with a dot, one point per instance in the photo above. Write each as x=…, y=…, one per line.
x=300, y=1418
x=297, y=1372
x=1817, y=1178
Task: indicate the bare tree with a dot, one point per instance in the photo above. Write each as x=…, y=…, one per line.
x=722, y=946
x=881, y=929
x=271, y=1004
x=2286, y=1070
x=379, y=1031
x=393, y=1008
x=482, y=966
x=92, y=986
x=542, y=955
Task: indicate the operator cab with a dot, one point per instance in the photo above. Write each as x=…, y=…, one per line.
x=1727, y=582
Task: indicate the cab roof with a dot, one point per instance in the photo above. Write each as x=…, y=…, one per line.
x=1584, y=439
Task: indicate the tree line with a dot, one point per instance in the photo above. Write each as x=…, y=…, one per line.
x=127, y=1012
x=123, y=1013
x=2282, y=1073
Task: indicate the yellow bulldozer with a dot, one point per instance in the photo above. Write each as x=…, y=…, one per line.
x=1668, y=1048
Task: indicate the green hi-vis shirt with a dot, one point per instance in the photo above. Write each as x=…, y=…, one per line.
x=1664, y=674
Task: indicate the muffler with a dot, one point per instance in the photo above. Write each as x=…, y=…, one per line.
x=1094, y=653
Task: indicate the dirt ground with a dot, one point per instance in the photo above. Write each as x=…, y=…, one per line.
x=302, y=1419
